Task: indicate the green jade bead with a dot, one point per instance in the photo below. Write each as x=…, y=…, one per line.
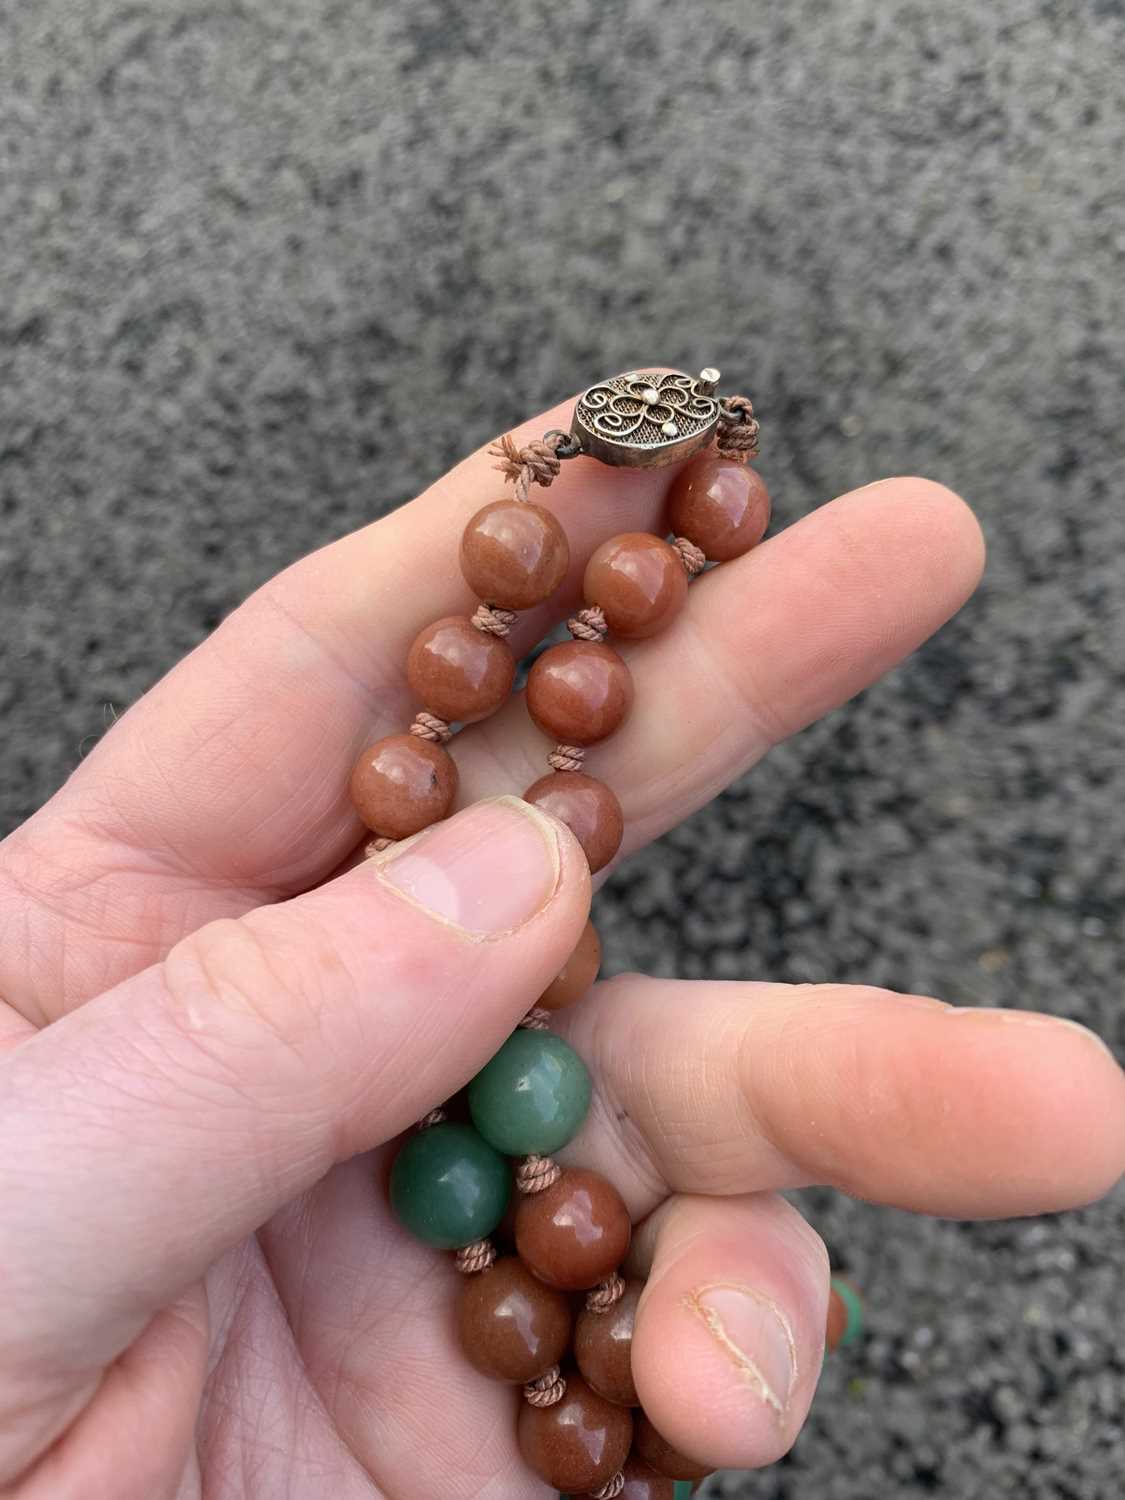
x=449, y=1187
x=853, y=1330
x=532, y=1097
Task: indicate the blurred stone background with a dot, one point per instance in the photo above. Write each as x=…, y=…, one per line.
x=249, y=251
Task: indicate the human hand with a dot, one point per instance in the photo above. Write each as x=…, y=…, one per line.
x=216, y=1025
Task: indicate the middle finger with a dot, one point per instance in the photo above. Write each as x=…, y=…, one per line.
x=729, y=1088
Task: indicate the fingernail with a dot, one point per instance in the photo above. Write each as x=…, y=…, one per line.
x=1025, y=1018
x=755, y=1336
x=488, y=870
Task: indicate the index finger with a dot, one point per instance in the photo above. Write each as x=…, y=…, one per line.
x=226, y=785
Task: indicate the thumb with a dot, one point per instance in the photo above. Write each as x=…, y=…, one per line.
x=161, y=1123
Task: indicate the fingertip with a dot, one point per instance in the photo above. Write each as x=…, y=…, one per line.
x=730, y=1331
x=922, y=524
x=1062, y=1098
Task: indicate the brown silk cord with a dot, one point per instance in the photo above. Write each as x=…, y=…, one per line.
x=536, y=1173
x=477, y=1257
x=429, y=727
x=610, y=1489
x=692, y=557
x=566, y=758
x=493, y=620
x=606, y=1294
x=535, y=463
x=548, y=1390
x=435, y=1117
x=738, y=430
x=536, y=1020
x=589, y=624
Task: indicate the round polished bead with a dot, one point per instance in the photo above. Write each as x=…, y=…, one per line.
x=577, y=974
x=639, y=582
x=661, y=1456
x=579, y=692
x=644, y=1483
x=574, y=1233
x=588, y=808
x=577, y=1444
x=845, y=1314
x=532, y=1097
x=459, y=672
x=449, y=1187
x=402, y=784
x=721, y=506
x=603, y=1347
x=514, y=554
x=511, y=1326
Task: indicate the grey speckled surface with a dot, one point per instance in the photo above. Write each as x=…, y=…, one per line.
x=244, y=249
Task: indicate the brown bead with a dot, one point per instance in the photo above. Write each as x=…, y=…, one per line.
x=576, y=975
x=644, y=1483
x=639, y=581
x=514, y=554
x=603, y=1347
x=574, y=1233
x=588, y=808
x=661, y=1456
x=721, y=506
x=579, y=692
x=511, y=1326
x=459, y=672
x=577, y=1444
x=837, y=1316
x=402, y=784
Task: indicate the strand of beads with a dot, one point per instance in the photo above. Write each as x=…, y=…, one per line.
x=581, y=1430
x=449, y=1186
x=571, y=1227
x=514, y=555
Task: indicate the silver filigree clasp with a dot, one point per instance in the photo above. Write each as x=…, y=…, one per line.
x=641, y=420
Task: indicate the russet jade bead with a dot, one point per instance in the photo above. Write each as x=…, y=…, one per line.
x=574, y=1233
x=588, y=808
x=603, y=1347
x=449, y=1187
x=577, y=974
x=639, y=582
x=577, y=1444
x=402, y=784
x=661, y=1456
x=459, y=672
x=512, y=1327
x=532, y=1096
x=643, y=1483
x=514, y=554
x=720, y=505
x=579, y=692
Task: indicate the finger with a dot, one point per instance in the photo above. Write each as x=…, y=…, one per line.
x=862, y=581
x=373, y=1315
x=729, y=1337
x=160, y=1124
x=226, y=785
x=233, y=768
x=133, y=1439
x=765, y=645
x=732, y=1088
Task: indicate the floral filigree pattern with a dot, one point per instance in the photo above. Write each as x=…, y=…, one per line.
x=646, y=411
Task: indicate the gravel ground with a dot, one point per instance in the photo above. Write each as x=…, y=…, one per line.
x=248, y=250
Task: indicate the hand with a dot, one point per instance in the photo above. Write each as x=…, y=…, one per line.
x=217, y=1020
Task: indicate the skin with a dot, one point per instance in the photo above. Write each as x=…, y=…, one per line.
x=217, y=1020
